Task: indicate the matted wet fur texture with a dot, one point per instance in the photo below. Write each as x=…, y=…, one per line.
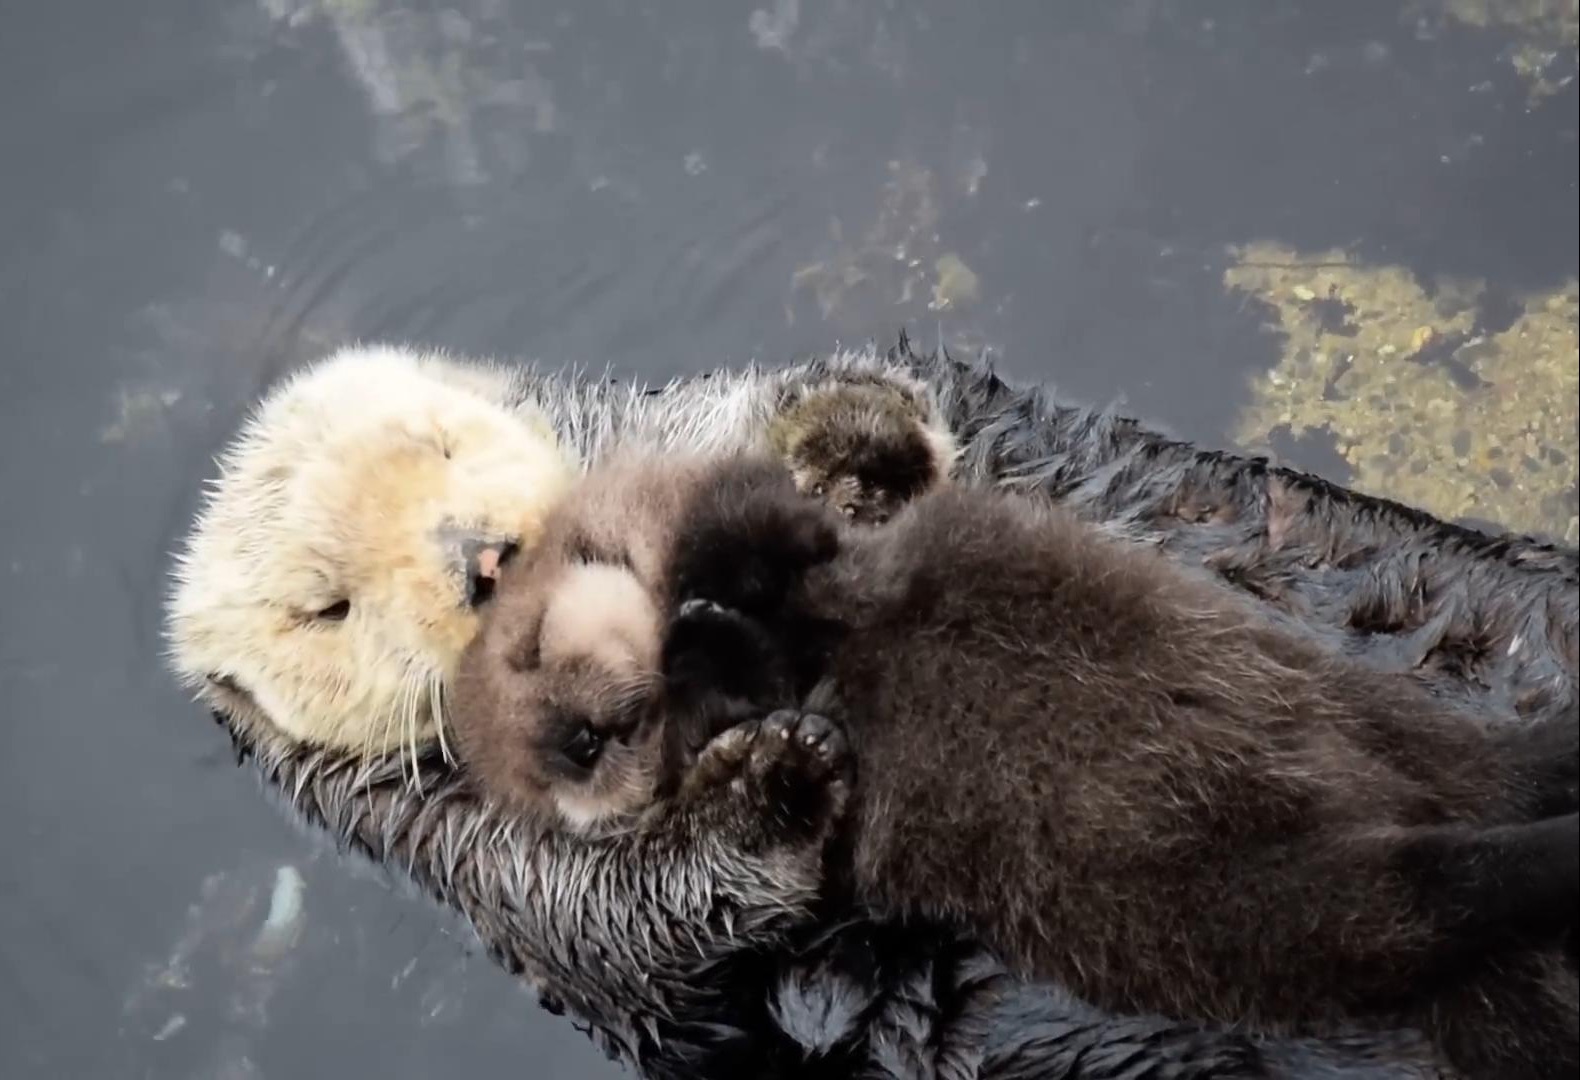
x=687, y=957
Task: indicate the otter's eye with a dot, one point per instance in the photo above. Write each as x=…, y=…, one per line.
x=335, y=612
x=819, y=490
x=584, y=747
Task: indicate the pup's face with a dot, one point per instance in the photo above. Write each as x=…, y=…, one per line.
x=560, y=703
x=648, y=619
x=338, y=568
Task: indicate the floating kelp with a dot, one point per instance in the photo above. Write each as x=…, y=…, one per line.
x=1544, y=33
x=1449, y=394
x=897, y=260
x=1556, y=20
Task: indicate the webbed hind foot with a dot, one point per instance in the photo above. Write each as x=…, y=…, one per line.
x=866, y=445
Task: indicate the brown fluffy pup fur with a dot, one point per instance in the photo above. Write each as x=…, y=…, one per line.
x=866, y=446
x=1118, y=774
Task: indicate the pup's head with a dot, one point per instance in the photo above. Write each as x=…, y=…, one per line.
x=636, y=629
x=558, y=703
x=338, y=566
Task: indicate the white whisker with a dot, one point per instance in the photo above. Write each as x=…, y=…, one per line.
x=436, y=705
x=365, y=755
x=385, y=730
x=402, y=711
x=410, y=728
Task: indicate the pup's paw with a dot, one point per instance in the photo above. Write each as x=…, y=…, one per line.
x=783, y=780
x=718, y=666
x=865, y=446
x=815, y=749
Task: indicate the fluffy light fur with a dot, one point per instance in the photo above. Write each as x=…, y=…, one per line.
x=689, y=959
x=361, y=480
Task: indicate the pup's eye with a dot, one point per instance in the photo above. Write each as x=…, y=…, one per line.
x=335, y=612
x=584, y=747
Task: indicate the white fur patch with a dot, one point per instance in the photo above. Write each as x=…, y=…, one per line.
x=601, y=613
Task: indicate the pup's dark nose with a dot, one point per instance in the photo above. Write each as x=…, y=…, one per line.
x=484, y=560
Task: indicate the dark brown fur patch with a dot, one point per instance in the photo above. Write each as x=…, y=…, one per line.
x=1129, y=781
x=1135, y=784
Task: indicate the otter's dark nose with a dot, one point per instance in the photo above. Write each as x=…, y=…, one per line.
x=484, y=560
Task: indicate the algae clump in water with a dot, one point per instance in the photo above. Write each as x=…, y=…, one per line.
x=1544, y=36
x=1447, y=395
x=898, y=259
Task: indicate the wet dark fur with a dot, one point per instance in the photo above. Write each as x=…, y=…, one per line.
x=661, y=949
x=1127, y=780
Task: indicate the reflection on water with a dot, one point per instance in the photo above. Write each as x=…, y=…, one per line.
x=1131, y=198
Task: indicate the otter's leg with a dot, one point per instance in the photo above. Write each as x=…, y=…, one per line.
x=865, y=445
x=1512, y=1017
x=1498, y=883
x=1495, y=903
x=1543, y=762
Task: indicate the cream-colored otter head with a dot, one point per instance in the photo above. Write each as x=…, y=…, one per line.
x=335, y=571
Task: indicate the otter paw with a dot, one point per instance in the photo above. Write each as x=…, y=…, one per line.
x=864, y=447
x=783, y=779
x=821, y=748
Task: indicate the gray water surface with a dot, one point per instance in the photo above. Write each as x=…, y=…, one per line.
x=198, y=195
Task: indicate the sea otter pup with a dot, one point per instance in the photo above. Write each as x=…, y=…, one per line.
x=1117, y=772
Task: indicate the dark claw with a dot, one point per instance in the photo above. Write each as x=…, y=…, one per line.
x=819, y=734
x=781, y=723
